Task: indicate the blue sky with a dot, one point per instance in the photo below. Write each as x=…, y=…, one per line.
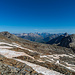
x=54, y=16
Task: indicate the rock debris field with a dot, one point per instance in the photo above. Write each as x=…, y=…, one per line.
x=19, y=60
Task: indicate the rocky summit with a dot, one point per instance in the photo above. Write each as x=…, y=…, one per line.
x=69, y=42
x=22, y=57
x=57, y=40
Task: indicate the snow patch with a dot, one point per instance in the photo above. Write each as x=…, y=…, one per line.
x=57, y=56
x=70, y=68
x=57, y=62
x=10, y=54
x=5, y=47
x=17, y=45
x=40, y=69
x=43, y=56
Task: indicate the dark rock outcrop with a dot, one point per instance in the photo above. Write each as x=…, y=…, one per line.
x=68, y=41
x=58, y=39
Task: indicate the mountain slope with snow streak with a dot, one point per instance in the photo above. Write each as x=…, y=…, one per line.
x=17, y=57
x=10, y=54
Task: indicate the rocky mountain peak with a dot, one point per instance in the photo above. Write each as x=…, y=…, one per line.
x=58, y=39
x=68, y=41
x=9, y=35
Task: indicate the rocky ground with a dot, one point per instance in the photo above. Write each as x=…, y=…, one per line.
x=16, y=59
x=21, y=57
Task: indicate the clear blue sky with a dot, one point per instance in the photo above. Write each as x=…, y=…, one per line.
x=54, y=16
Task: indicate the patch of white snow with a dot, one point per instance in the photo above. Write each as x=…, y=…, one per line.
x=10, y=54
x=40, y=69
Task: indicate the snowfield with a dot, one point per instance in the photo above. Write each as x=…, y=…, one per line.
x=5, y=47
x=15, y=45
x=10, y=54
x=40, y=69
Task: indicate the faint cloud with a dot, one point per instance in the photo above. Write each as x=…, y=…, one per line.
x=58, y=30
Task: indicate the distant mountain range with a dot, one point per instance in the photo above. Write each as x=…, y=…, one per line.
x=30, y=36
x=62, y=39
x=38, y=37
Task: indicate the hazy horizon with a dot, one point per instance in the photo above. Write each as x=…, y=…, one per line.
x=39, y=32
